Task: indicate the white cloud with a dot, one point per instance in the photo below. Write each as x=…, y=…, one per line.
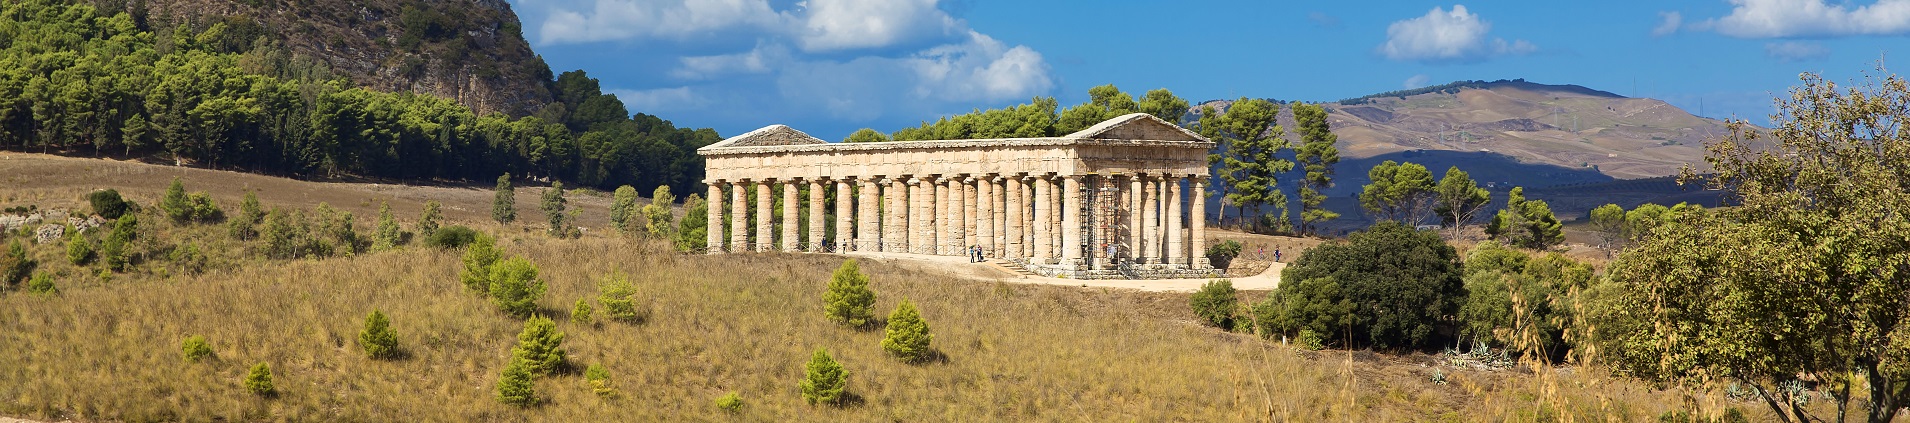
x=607, y=20
x=1417, y=81
x=981, y=69
x=1668, y=23
x=1812, y=18
x=756, y=61
x=850, y=24
x=1796, y=51
x=1442, y=36
x=659, y=99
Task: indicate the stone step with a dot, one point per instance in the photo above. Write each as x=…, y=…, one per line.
x=1012, y=267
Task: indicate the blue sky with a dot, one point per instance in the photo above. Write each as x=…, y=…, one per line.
x=829, y=67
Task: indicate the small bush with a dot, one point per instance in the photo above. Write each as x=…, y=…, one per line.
x=251, y=215
x=185, y=208
x=731, y=402
x=428, y=221
x=824, y=379
x=79, y=251
x=515, y=287
x=908, y=336
x=541, y=346
x=108, y=204
x=849, y=300
x=1309, y=340
x=386, y=235
x=580, y=314
x=515, y=387
x=615, y=296
x=1222, y=254
x=259, y=381
x=379, y=341
x=14, y=265
x=196, y=348
x=1216, y=303
x=478, y=261
x=599, y=380
x=42, y=284
x=450, y=237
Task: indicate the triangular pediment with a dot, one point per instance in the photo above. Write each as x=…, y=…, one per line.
x=768, y=136
x=1136, y=126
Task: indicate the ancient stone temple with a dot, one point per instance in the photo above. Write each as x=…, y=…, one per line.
x=1121, y=199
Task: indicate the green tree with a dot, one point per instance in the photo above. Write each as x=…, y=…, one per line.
x=195, y=348
x=515, y=386
x=429, y=220
x=378, y=340
x=1802, y=280
x=541, y=346
x=1249, y=163
x=504, y=205
x=554, y=206
x=108, y=204
x=1642, y=220
x=849, y=301
x=661, y=224
x=1400, y=283
x=907, y=335
x=866, y=135
x=599, y=380
x=1488, y=307
x=479, y=258
x=692, y=233
x=623, y=207
x=1216, y=303
x=515, y=287
x=115, y=250
x=1400, y=192
x=174, y=202
x=1163, y=104
x=1317, y=155
x=1608, y=221
x=388, y=235
x=259, y=381
x=338, y=230
x=1460, y=199
x=42, y=284
x=617, y=296
x=79, y=251
x=245, y=226
x=15, y=265
x=824, y=379
x=1526, y=223
x=580, y=313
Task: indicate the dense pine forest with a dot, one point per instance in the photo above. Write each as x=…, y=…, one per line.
x=77, y=80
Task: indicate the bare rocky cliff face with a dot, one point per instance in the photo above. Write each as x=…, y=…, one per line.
x=472, y=51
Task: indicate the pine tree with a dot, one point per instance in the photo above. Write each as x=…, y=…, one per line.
x=615, y=293
x=245, y=226
x=515, y=386
x=428, y=222
x=908, y=336
x=79, y=251
x=541, y=346
x=1317, y=155
x=174, y=202
x=659, y=222
x=849, y=300
x=378, y=340
x=1250, y=165
x=478, y=259
x=504, y=206
x=599, y=380
x=824, y=379
x=580, y=313
x=692, y=234
x=1459, y=198
x=515, y=286
x=622, y=207
x=554, y=205
x=388, y=234
x=259, y=381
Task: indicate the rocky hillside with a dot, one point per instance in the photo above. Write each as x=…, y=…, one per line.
x=472, y=51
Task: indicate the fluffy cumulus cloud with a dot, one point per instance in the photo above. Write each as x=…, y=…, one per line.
x=847, y=60
x=1796, y=51
x=1812, y=18
x=1447, y=36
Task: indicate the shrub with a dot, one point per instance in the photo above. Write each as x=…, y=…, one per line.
x=108, y=204
x=42, y=283
x=79, y=251
x=515, y=387
x=387, y=235
x=541, y=346
x=730, y=402
x=203, y=208
x=515, y=287
x=246, y=225
x=449, y=237
x=338, y=230
x=1488, y=306
x=196, y=348
x=504, y=204
x=615, y=294
x=659, y=223
x=478, y=260
x=824, y=379
x=1315, y=305
x=554, y=206
x=1309, y=340
x=1222, y=254
x=174, y=202
x=908, y=336
x=622, y=207
x=849, y=300
x=113, y=251
x=599, y=380
x=1216, y=303
x=1395, y=284
x=189, y=259
x=259, y=381
x=428, y=221
x=15, y=266
x=580, y=314
x=692, y=234
x=379, y=341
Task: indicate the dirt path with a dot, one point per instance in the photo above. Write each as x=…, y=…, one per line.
x=960, y=267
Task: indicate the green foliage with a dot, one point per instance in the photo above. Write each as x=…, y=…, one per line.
x=1026, y=120
x=15, y=265
x=1492, y=256
x=617, y=296
x=478, y=260
x=185, y=208
x=598, y=378
x=554, y=206
x=541, y=346
x=338, y=233
x=515, y=287
x=504, y=204
x=1250, y=167
x=196, y=348
x=1388, y=286
x=42, y=284
x=907, y=336
x=259, y=381
x=1216, y=303
x=245, y=226
x=580, y=313
x=1400, y=192
x=115, y=250
x=285, y=234
x=387, y=236
x=1163, y=104
x=1526, y=223
x=622, y=207
x=866, y=135
x=515, y=386
x=693, y=232
x=1221, y=254
x=1488, y=306
x=1641, y=221
x=659, y=222
x=378, y=340
x=824, y=379
x=1309, y=340
x=79, y=251
x=432, y=217
x=1608, y=221
x=449, y=237
x=108, y=204
x=1317, y=155
x=731, y=402
x=1459, y=198
x=849, y=301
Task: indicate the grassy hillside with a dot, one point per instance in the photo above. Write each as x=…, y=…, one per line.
x=108, y=348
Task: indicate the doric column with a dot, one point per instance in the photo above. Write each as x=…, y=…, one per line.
x=1044, y=226
x=938, y=224
x=844, y=226
x=957, y=231
x=1150, y=218
x=985, y=214
x=1134, y=218
x=971, y=227
x=1176, y=248
x=789, y=215
x=866, y=219
x=1071, y=220
x=897, y=240
x=739, y=218
x=914, y=222
x=1197, y=242
x=1028, y=217
x=713, y=233
x=765, y=228
x=1015, y=247
x=999, y=203
x=813, y=241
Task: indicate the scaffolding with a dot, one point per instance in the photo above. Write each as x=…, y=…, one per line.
x=1105, y=223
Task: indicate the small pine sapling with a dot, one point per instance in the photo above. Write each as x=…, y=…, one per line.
x=908, y=336
x=580, y=314
x=259, y=381
x=824, y=379
x=378, y=340
x=599, y=380
x=515, y=386
x=849, y=301
x=731, y=402
x=196, y=348
x=541, y=346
